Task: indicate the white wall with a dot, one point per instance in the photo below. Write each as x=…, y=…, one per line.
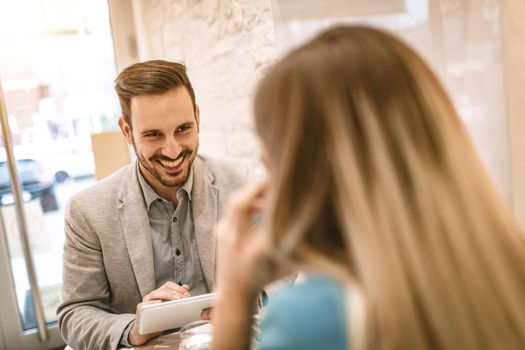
x=225, y=45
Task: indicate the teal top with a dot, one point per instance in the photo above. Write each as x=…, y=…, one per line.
x=308, y=315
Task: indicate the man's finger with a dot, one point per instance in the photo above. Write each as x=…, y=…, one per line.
x=206, y=314
x=165, y=294
x=174, y=287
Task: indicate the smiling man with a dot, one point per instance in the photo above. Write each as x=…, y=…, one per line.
x=165, y=136
x=145, y=234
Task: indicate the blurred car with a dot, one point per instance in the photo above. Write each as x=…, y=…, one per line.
x=63, y=161
x=36, y=184
x=71, y=165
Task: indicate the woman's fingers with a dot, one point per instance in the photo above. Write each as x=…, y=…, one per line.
x=250, y=198
x=244, y=211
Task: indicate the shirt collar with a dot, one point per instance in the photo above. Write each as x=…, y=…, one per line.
x=188, y=185
x=149, y=193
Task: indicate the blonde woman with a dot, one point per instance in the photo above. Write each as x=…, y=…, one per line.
x=377, y=194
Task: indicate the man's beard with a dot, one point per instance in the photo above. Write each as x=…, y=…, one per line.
x=149, y=166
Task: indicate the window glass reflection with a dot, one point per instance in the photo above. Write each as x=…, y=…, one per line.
x=57, y=69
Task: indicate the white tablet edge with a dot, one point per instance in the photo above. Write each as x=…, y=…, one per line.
x=173, y=314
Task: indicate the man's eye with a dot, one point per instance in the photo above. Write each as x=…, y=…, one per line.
x=184, y=127
x=151, y=134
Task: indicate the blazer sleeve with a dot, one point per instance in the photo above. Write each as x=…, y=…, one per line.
x=85, y=317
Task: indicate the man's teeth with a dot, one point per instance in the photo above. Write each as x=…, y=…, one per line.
x=171, y=163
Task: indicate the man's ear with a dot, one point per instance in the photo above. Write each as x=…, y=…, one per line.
x=126, y=129
x=197, y=117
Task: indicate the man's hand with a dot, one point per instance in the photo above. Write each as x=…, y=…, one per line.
x=169, y=291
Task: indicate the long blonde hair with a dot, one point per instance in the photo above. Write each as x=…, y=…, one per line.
x=372, y=169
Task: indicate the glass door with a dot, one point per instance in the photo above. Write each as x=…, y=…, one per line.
x=56, y=68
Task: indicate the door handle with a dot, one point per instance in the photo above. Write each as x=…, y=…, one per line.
x=21, y=220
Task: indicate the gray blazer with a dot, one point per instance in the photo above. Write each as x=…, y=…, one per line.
x=108, y=258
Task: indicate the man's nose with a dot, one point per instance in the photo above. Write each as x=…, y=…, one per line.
x=172, y=148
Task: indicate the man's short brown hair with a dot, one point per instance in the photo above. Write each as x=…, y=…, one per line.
x=150, y=78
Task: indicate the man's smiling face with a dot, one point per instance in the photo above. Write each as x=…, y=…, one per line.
x=165, y=136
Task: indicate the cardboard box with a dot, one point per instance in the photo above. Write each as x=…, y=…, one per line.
x=111, y=152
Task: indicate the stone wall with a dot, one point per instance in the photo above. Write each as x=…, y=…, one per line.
x=225, y=45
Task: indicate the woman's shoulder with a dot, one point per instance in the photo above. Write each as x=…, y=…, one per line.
x=314, y=288
x=308, y=315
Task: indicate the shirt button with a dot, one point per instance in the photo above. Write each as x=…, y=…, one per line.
x=175, y=219
x=177, y=251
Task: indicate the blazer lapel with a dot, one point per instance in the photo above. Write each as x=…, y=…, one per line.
x=135, y=225
x=205, y=216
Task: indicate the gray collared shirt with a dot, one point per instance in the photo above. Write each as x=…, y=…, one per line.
x=175, y=254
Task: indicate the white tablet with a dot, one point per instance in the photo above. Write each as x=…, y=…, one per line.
x=174, y=313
